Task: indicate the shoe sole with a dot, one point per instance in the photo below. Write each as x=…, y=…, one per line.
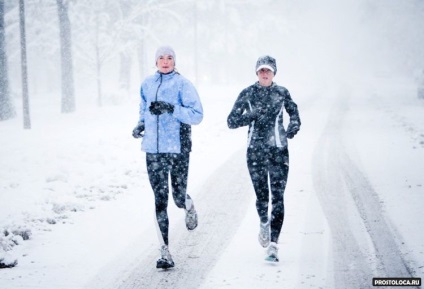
x=191, y=229
x=164, y=264
x=271, y=259
x=195, y=226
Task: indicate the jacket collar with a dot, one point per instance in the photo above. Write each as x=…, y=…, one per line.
x=165, y=75
x=264, y=87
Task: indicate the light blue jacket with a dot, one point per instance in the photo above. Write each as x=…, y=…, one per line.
x=169, y=132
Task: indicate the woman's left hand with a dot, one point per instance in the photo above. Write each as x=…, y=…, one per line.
x=160, y=107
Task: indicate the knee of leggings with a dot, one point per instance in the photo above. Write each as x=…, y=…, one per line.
x=261, y=204
x=161, y=207
x=278, y=209
x=180, y=204
x=278, y=199
x=162, y=217
x=180, y=200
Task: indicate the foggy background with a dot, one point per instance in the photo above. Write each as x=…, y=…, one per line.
x=316, y=43
x=77, y=177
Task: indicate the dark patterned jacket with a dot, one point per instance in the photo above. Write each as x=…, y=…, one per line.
x=261, y=108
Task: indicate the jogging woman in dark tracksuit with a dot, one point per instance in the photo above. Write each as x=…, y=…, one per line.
x=260, y=106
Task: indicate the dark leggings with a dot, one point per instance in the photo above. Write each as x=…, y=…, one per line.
x=159, y=166
x=272, y=161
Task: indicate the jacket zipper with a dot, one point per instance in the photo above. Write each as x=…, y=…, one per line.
x=157, y=117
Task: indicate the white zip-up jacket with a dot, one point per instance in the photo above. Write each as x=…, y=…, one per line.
x=169, y=132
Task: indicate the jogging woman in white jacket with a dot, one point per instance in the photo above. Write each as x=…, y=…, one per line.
x=169, y=106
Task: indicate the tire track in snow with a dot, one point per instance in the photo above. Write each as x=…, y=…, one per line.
x=349, y=265
x=221, y=208
x=365, y=245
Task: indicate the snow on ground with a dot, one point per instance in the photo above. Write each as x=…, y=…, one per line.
x=77, y=186
x=393, y=158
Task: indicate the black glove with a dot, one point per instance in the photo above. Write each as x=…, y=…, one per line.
x=138, y=131
x=254, y=114
x=159, y=107
x=292, y=129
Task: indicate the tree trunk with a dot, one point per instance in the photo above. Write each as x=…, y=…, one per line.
x=125, y=74
x=6, y=108
x=98, y=64
x=27, y=120
x=125, y=57
x=99, y=78
x=141, y=51
x=68, y=98
x=196, y=45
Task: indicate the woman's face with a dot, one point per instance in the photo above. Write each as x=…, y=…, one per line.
x=265, y=76
x=165, y=63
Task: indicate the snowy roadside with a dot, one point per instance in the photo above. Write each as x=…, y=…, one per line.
x=57, y=174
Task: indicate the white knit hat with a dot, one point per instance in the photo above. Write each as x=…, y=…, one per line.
x=165, y=50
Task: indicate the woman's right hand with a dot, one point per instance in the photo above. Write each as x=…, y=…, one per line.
x=138, y=131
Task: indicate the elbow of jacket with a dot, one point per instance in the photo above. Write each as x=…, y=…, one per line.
x=231, y=124
x=197, y=119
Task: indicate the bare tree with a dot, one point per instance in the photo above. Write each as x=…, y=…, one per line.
x=125, y=56
x=6, y=108
x=68, y=98
x=98, y=37
x=27, y=120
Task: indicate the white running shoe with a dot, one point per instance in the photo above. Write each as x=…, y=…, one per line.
x=165, y=261
x=264, y=234
x=272, y=252
x=191, y=218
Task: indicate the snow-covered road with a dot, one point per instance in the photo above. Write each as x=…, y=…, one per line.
x=222, y=205
x=223, y=251
x=365, y=243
